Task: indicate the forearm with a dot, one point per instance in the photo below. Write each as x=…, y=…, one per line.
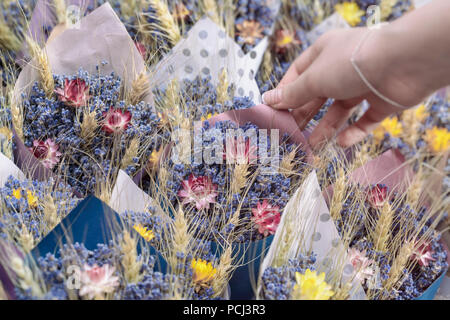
x=414, y=50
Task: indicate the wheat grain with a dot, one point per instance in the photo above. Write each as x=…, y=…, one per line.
x=130, y=262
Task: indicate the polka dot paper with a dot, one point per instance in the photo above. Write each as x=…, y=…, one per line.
x=205, y=50
x=307, y=222
x=335, y=21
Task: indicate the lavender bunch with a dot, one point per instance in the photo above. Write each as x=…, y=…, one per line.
x=31, y=209
x=85, y=131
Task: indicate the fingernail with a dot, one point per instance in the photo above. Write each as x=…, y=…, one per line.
x=272, y=97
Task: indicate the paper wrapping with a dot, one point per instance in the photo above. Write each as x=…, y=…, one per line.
x=335, y=21
x=312, y=229
x=127, y=196
x=206, y=50
x=100, y=37
x=7, y=169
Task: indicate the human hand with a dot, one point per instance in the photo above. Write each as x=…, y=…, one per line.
x=325, y=71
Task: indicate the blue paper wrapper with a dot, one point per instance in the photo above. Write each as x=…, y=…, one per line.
x=430, y=293
x=90, y=223
x=248, y=256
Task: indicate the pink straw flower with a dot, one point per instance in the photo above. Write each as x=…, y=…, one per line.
x=285, y=39
x=198, y=190
x=266, y=218
x=116, y=121
x=423, y=254
x=362, y=265
x=377, y=196
x=75, y=93
x=96, y=281
x=239, y=151
x=47, y=152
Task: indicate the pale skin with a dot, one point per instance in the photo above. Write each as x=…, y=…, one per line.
x=406, y=61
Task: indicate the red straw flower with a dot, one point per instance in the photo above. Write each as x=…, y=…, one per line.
x=423, y=254
x=377, y=196
x=47, y=152
x=239, y=151
x=116, y=121
x=266, y=218
x=198, y=190
x=75, y=93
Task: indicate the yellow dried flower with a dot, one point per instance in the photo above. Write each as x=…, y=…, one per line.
x=311, y=286
x=249, y=31
x=204, y=272
x=351, y=12
x=31, y=197
x=148, y=235
x=388, y=125
x=438, y=139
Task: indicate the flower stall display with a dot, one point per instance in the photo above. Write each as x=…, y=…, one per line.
x=109, y=272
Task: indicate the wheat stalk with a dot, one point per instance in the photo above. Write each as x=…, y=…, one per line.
x=240, y=175
x=139, y=88
x=88, y=125
x=167, y=22
x=399, y=263
x=339, y=192
x=415, y=189
x=181, y=237
x=17, y=119
x=130, y=153
x=222, y=87
x=287, y=163
x=25, y=277
x=130, y=262
x=26, y=239
x=267, y=66
x=8, y=40
x=60, y=10
x=43, y=65
x=383, y=227
x=209, y=7
x=224, y=269
x=50, y=212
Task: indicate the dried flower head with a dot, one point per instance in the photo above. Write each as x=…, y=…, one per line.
x=148, y=235
x=249, y=31
x=284, y=40
x=351, y=12
x=311, y=286
x=116, y=120
x=75, y=93
x=266, y=218
x=438, y=139
x=362, y=265
x=377, y=196
x=96, y=281
x=203, y=272
x=198, y=190
x=47, y=152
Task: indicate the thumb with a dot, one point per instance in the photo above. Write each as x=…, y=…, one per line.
x=292, y=95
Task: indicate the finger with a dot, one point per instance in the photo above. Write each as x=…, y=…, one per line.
x=300, y=65
x=336, y=116
x=304, y=114
x=360, y=129
x=295, y=94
